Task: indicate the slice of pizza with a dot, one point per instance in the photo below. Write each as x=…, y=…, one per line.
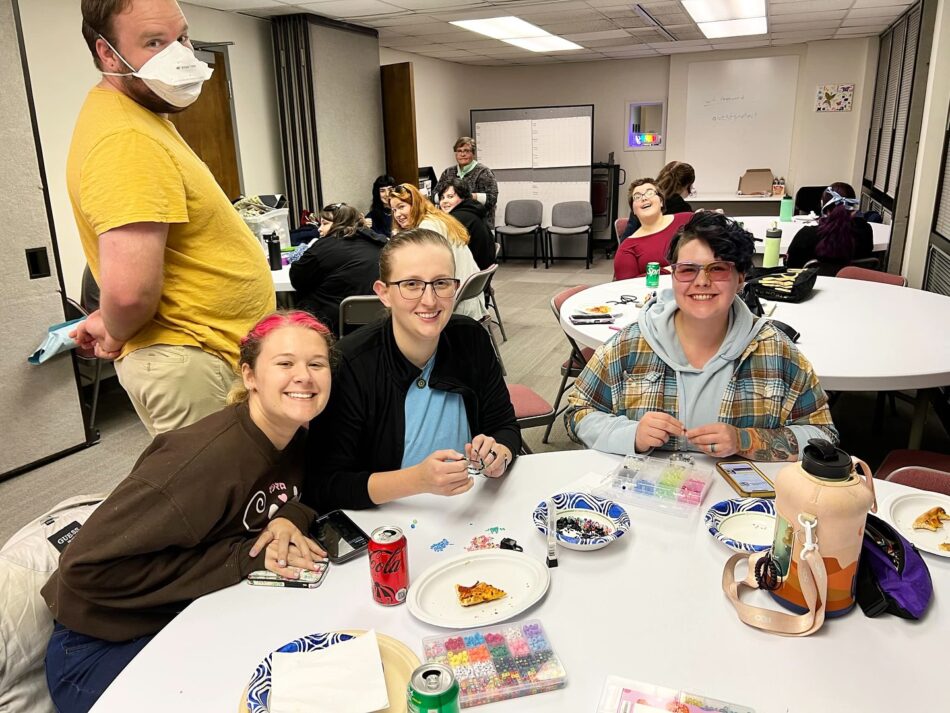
x=478, y=593
x=945, y=546
x=931, y=520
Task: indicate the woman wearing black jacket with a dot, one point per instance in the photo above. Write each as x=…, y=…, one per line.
x=839, y=237
x=457, y=199
x=343, y=262
x=674, y=182
x=380, y=213
x=418, y=398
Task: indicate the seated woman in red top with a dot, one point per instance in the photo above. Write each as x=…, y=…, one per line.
x=652, y=238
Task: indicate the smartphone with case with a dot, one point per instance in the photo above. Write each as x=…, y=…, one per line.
x=307, y=580
x=339, y=536
x=746, y=479
x=576, y=319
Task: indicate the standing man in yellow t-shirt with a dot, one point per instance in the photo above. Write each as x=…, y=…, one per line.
x=182, y=277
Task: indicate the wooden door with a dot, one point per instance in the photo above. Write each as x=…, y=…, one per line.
x=208, y=127
x=399, y=122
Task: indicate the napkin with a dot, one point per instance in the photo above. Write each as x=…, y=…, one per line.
x=344, y=678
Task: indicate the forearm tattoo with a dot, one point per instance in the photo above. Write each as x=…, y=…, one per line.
x=768, y=444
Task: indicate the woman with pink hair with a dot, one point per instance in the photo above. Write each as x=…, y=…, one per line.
x=203, y=507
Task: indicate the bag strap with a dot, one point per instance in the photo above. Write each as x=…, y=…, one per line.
x=813, y=579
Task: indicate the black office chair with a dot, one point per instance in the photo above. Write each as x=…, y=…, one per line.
x=808, y=200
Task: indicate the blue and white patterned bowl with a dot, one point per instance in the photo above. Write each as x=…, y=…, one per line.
x=584, y=505
x=258, y=690
x=743, y=524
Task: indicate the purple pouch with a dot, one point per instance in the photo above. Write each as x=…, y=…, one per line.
x=892, y=576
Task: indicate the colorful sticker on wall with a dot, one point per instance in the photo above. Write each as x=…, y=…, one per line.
x=834, y=97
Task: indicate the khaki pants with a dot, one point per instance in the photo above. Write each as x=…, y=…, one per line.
x=174, y=386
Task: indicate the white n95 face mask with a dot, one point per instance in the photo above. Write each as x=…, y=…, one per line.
x=174, y=74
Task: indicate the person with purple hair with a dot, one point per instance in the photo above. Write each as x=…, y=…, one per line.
x=839, y=237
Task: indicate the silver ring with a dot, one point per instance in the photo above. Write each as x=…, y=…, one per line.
x=712, y=447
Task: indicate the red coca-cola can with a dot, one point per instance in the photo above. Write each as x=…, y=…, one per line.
x=388, y=565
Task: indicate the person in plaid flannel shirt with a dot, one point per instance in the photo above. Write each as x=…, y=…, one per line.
x=698, y=371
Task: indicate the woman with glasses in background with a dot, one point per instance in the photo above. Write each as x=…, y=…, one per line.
x=650, y=241
x=342, y=263
x=840, y=236
x=411, y=209
x=674, y=183
x=697, y=370
x=418, y=398
x=477, y=176
x=380, y=215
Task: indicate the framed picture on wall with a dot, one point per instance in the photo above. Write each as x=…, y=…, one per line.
x=834, y=97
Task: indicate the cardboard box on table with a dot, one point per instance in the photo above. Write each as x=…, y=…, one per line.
x=756, y=182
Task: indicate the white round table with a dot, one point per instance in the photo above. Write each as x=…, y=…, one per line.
x=649, y=607
x=858, y=336
x=758, y=224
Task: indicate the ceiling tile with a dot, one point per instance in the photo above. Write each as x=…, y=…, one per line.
x=614, y=44
x=807, y=6
x=350, y=8
x=602, y=35
x=882, y=3
x=739, y=45
x=884, y=12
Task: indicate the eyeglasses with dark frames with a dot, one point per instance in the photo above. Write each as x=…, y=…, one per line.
x=648, y=193
x=414, y=289
x=716, y=271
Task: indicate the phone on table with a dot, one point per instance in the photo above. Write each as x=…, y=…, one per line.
x=580, y=319
x=339, y=536
x=307, y=580
x=746, y=479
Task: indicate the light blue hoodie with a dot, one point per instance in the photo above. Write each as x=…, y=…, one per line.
x=699, y=390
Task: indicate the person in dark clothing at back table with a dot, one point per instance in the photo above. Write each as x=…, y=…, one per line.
x=675, y=183
x=457, y=199
x=839, y=237
x=342, y=263
x=380, y=215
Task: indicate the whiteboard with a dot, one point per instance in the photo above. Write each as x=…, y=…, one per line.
x=504, y=144
x=739, y=115
x=561, y=142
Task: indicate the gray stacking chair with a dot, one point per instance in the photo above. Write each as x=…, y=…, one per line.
x=358, y=310
x=522, y=217
x=571, y=218
x=475, y=286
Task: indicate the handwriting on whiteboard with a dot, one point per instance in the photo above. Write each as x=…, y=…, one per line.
x=721, y=100
x=735, y=116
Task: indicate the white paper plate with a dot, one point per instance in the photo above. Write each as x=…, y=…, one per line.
x=432, y=597
x=599, y=310
x=902, y=510
x=743, y=524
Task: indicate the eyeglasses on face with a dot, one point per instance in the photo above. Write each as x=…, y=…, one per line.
x=414, y=289
x=463, y=150
x=648, y=193
x=716, y=271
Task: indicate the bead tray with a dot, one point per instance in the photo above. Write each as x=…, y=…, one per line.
x=495, y=663
x=673, y=484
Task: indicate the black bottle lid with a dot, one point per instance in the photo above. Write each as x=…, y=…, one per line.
x=824, y=461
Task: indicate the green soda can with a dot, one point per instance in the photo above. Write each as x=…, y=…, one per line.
x=653, y=274
x=433, y=689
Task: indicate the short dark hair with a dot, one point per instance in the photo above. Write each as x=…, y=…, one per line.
x=97, y=17
x=724, y=236
x=639, y=182
x=458, y=185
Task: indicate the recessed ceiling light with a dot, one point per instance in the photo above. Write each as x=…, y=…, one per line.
x=516, y=31
x=734, y=28
x=716, y=10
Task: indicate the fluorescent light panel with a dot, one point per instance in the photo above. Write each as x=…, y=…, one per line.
x=734, y=28
x=517, y=32
x=717, y=10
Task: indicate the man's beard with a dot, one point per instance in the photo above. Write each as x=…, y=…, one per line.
x=139, y=91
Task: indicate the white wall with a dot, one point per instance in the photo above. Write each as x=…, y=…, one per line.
x=932, y=135
x=825, y=147
x=62, y=72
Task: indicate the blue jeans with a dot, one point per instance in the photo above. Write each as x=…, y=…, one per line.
x=79, y=667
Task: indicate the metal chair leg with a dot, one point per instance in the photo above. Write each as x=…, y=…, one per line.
x=95, y=395
x=557, y=402
x=486, y=323
x=494, y=306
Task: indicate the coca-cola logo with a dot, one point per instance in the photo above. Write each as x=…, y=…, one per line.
x=384, y=562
